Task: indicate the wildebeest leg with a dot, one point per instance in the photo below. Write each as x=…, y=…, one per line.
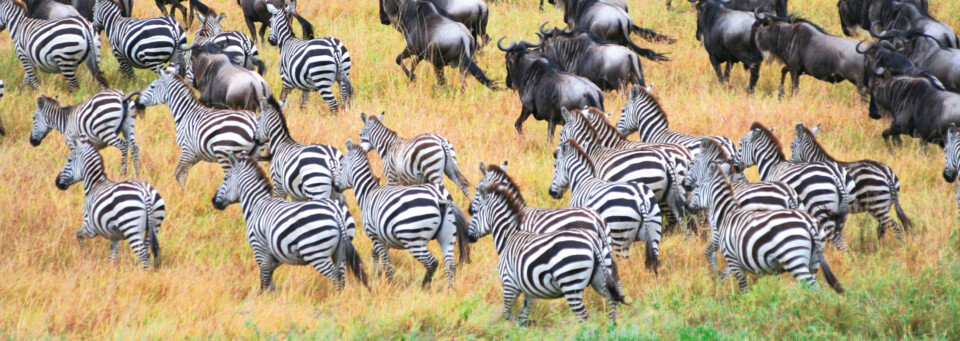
x=252, y=27
x=551, y=128
x=783, y=78
x=163, y=7
x=404, y=55
x=716, y=68
x=441, y=80
x=795, y=77
x=174, y=5
x=263, y=31
x=754, y=76
x=726, y=73
x=524, y=113
x=887, y=134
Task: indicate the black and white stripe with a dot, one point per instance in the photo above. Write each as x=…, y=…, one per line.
x=102, y=118
x=877, y=187
x=952, y=158
x=52, y=46
x=405, y=218
x=310, y=65
x=139, y=43
x=422, y=159
x=128, y=210
x=318, y=233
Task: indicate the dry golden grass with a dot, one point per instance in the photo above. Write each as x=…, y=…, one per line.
x=208, y=287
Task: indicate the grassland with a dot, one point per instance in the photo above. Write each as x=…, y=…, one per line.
x=208, y=287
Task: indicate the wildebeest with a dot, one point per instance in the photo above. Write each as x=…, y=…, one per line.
x=223, y=84
x=727, y=37
x=255, y=11
x=544, y=88
x=239, y=47
x=805, y=48
x=85, y=7
x=611, y=23
x=778, y=7
x=472, y=13
x=917, y=106
x=858, y=15
x=608, y=65
x=882, y=57
x=907, y=15
x=49, y=10
x=928, y=54
x=437, y=37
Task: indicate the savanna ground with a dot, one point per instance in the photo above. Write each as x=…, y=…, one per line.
x=208, y=287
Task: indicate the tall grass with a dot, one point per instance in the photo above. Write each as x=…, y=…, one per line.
x=209, y=284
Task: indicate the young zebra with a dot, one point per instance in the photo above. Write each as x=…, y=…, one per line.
x=876, y=185
x=203, y=134
x=422, y=159
x=303, y=172
x=128, y=210
x=309, y=65
x=241, y=50
x=405, y=217
x=52, y=46
x=629, y=210
x=550, y=265
x=102, y=118
x=317, y=232
x=139, y=43
x=951, y=162
x=823, y=187
x=761, y=242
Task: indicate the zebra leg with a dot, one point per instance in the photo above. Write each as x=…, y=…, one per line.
x=711, y=251
x=838, y=240
x=599, y=284
x=509, y=298
x=114, y=252
x=525, y=311
x=122, y=145
x=381, y=253
x=140, y=248
x=70, y=74
x=187, y=160
x=736, y=268
x=575, y=300
x=447, y=238
x=430, y=262
x=285, y=92
x=328, y=269
x=304, y=99
x=325, y=86
x=267, y=265
x=122, y=64
x=29, y=75
x=884, y=220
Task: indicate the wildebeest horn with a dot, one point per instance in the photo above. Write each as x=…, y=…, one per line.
x=869, y=47
x=512, y=45
x=758, y=15
x=880, y=35
x=528, y=44
x=542, y=26
x=876, y=69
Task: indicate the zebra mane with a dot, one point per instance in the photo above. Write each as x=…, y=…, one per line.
x=384, y=126
x=261, y=174
x=274, y=105
x=119, y=5
x=22, y=6
x=725, y=181
x=816, y=144
x=708, y=145
x=773, y=139
x=583, y=155
x=510, y=196
x=649, y=97
x=589, y=126
x=508, y=181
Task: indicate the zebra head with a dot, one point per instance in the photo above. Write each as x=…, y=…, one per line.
x=72, y=171
x=279, y=18
x=801, y=147
x=750, y=147
x=629, y=122
x=698, y=167
x=480, y=222
x=952, y=158
x=354, y=158
x=368, y=134
x=211, y=22
x=42, y=123
x=229, y=190
x=702, y=196
x=158, y=91
x=563, y=156
x=488, y=175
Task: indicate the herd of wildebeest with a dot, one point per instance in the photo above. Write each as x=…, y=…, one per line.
x=622, y=191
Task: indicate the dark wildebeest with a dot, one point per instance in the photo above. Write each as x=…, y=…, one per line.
x=223, y=84
x=928, y=54
x=611, y=23
x=805, y=48
x=883, y=57
x=563, y=4
x=778, y=7
x=583, y=53
x=917, y=106
x=544, y=88
x=727, y=35
x=858, y=15
x=241, y=50
x=437, y=37
x=472, y=13
x=897, y=15
x=176, y=4
x=85, y=7
x=255, y=11
x=49, y=10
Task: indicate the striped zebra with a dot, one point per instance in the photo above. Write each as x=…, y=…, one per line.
x=644, y=115
x=951, y=160
x=139, y=43
x=760, y=242
x=128, y=210
x=237, y=46
x=823, y=187
x=876, y=186
x=203, y=134
x=422, y=159
x=550, y=265
x=309, y=65
x=629, y=210
x=752, y=196
x=102, y=118
x=302, y=172
x=609, y=137
x=407, y=218
x=317, y=232
x=52, y=46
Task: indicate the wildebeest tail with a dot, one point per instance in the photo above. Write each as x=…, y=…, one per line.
x=647, y=53
x=895, y=197
x=650, y=35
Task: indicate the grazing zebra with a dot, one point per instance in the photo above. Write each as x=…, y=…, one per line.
x=203, y=134
x=752, y=196
x=238, y=46
x=102, y=118
x=52, y=46
x=823, y=187
x=644, y=115
x=407, y=218
x=629, y=210
x=309, y=65
x=139, y=43
x=317, y=232
x=549, y=265
x=128, y=210
x=951, y=158
x=302, y=172
x=876, y=186
x=422, y=159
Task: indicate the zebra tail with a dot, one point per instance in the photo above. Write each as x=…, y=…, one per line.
x=651, y=35
x=651, y=260
x=452, y=170
x=895, y=196
x=462, y=225
x=843, y=205
x=828, y=274
x=306, y=26
x=611, y=277
x=261, y=66
x=349, y=254
x=92, y=59
x=152, y=231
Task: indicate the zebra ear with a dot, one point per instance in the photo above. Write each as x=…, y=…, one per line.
x=725, y=167
x=816, y=129
x=271, y=9
x=712, y=167
x=382, y=114
x=799, y=128
x=350, y=145
x=952, y=130
x=483, y=170
x=200, y=16
x=504, y=166
x=704, y=143
x=650, y=88
x=363, y=117
x=221, y=17
x=565, y=114
x=292, y=7
x=772, y=129
x=634, y=92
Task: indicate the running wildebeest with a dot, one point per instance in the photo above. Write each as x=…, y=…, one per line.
x=927, y=53
x=611, y=23
x=858, y=15
x=583, y=53
x=727, y=37
x=884, y=57
x=778, y=7
x=255, y=11
x=544, y=88
x=437, y=37
x=472, y=13
x=917, y=106
x=223, y=84
x=49, y=10
x=907, y=15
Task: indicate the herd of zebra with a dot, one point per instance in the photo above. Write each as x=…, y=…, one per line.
x=622, y=191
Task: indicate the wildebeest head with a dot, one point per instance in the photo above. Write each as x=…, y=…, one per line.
x=388, y=11
x=519, y=59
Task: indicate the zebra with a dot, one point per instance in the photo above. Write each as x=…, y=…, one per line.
x=549, y=265
x=238, y=46
x=203, y=134
x=317, y=232
x=102, y=118
x=761, y=242
x=876, y=185
x=823, y=187
x=644, y=115
x=951, y=162
x=129, y=210
x=422, y=159
x=52, y=46
x=752, y=196
x=302, y=172
x=629, y=210
x=309, y=65
x=140, y=43
x=397, y=217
